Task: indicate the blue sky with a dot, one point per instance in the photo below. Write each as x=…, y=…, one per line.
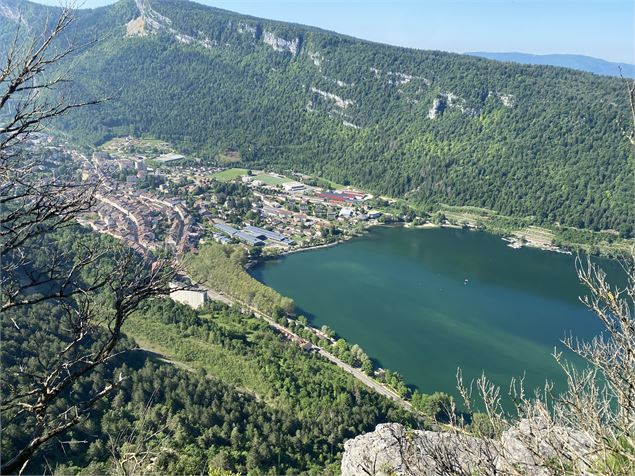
x=600, y=28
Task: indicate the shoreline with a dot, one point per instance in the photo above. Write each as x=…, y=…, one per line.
x=310, y=248
x=512, y=241
x=325, y=245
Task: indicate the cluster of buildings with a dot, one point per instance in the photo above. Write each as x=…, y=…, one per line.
x=250, y=235
x=141, y=218
x=302, y=211
x=152, y=206
x=301, y=341
x=342, y=197
x=145, y=220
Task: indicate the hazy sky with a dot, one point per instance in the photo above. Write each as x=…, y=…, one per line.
x=600, y=28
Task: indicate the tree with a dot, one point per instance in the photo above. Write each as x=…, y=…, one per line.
x=437, y=406
x=94, y=287
x=439, y=218
x=587, y=429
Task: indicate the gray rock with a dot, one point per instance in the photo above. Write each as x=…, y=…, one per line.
x=393, y=450
x=531, y=447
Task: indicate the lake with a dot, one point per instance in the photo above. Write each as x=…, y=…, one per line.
x=423, y=302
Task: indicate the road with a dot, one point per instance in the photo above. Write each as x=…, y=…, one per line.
x=358, y=374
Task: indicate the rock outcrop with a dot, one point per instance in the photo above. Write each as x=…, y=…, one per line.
x=10, y=13
x=530, y=448
x=281, y=44
x=136, y=27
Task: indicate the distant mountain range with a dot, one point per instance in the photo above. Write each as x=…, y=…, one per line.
x=579, y=62
x=538, y=143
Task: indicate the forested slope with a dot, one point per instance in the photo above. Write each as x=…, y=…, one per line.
x=430, y=126
x=247, y=400
x=180, y=422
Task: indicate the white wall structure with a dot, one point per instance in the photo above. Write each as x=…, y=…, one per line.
x=194, y=298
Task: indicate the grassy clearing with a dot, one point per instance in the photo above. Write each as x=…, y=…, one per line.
x=335, y=185
x=470, y=215
x=467, y=209
x=329, y=184
x=230, y=157
x=229, y=174
x=534, y=234
x=228, y=366
x=154, y=142
x=272, y=180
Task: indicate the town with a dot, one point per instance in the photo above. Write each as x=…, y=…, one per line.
x=154, y=198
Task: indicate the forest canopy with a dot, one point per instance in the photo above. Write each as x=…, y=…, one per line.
x=537, y=142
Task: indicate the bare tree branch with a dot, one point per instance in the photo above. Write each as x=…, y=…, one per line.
x=92, y=288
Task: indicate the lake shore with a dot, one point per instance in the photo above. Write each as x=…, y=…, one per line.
x=515, y=241
x=311, y=248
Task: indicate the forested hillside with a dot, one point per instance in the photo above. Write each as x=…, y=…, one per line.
x=176, y=421
x=430, y=126
x=246, y=400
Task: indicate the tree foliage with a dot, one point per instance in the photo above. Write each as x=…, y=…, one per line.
x=526, y=141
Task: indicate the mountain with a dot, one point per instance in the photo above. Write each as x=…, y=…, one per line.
x=540, y=143
x=579, y=62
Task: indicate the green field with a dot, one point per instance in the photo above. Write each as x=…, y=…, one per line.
x=271, y=180
x=231, y=367
x=326, y=183
x=229, y=174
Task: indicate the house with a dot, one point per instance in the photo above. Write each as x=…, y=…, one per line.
x=125, y=164
x=346, y=212
x=277, y=212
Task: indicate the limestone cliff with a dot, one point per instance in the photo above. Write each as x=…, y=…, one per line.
x=529, y=448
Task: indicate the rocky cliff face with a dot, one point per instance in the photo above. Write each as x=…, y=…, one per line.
x=531, y=448
x=10, y=13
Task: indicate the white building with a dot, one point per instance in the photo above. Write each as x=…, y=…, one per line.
x=346, y=212
x=194, y=297
x=294, y=187
x=171, y=157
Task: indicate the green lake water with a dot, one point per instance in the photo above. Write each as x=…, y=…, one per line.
x=424, y=302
